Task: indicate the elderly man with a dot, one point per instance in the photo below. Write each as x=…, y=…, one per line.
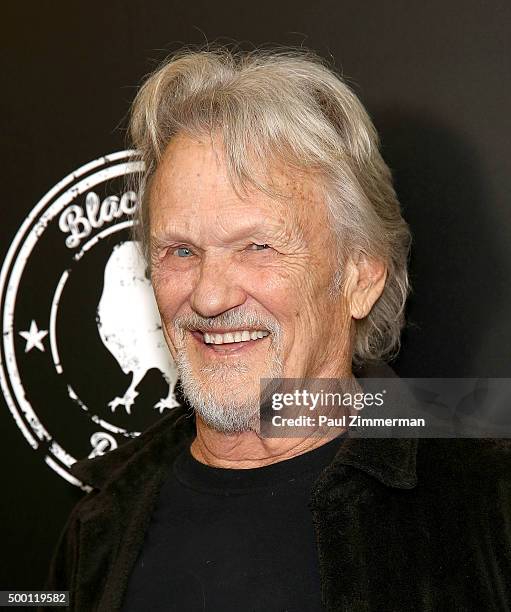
x=277, y=250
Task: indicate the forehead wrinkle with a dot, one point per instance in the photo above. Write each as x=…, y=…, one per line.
x=231, y=231
x=171, y=224
x=287, y=218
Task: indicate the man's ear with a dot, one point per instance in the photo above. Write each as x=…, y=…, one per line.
x=367, y=280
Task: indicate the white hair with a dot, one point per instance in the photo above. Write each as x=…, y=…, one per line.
x=286, y=106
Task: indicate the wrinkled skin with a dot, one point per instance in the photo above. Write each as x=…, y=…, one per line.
x=214, y=253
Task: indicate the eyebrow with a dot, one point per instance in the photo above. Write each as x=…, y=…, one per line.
x=168, y=234
x=174, y=234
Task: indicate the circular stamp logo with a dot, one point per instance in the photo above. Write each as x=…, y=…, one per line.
x=83, y=361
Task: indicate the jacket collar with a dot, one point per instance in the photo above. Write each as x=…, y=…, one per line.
x=391, y=461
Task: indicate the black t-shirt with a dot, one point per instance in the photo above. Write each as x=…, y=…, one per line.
x=223, y=540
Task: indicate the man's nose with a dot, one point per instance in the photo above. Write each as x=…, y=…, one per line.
x=217, y=288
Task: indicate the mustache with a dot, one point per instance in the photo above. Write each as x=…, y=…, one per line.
x=230, y=320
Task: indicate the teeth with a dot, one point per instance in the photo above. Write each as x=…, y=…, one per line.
x=237, y=336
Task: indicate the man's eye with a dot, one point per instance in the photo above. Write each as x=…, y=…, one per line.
x=182, y=252
x=258, y=247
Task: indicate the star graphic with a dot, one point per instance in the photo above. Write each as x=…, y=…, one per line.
x=33, y=337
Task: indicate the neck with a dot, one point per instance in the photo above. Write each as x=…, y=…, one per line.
x=248, y=449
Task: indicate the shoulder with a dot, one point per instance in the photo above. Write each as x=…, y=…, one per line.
x=466, y=455
x=475, y=470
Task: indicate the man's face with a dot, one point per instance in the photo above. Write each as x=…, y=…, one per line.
x=243, y=283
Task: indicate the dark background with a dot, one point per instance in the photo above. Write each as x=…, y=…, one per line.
x=435, y=77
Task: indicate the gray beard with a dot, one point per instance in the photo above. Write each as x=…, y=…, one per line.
x=227, y=411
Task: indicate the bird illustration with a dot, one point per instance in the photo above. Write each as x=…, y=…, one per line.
x=129, y=325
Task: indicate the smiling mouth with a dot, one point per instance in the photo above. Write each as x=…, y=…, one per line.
x=231, y=340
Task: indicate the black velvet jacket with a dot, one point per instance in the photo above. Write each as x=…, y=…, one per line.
x=400, y=524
